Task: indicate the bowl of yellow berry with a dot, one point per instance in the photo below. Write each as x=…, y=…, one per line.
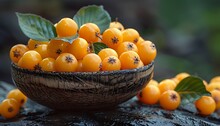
x=76, y=64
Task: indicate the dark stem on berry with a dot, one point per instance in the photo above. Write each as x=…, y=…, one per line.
x=130, y=46
x=153, y=47
x=136, y=60
x=22, y=101
x=140, y=94
x=111, y=60
x=10, y=109
x=69, y=59
x=98, y=35
x=16, y=53
x=100, y=66
x=59, y=51
x=173, y=97
x=35, y=46
x=37, y=67
x=116, y=20
x=135, y=40
x=115, y=40
x=90, y=48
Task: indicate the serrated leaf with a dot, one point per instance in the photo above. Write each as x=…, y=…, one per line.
x=93, y=14
x=67, y=39
x=190, y=89
x=98, y=46
x=36, y=27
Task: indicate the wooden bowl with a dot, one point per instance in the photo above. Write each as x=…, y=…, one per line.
x=81, y=90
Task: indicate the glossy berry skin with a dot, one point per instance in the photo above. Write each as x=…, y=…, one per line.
x=130, y=35
x=66, y=27
x=79, y=66
x=30, y=60
x=32, y=44
x=175, y=80
x=116, y=24
x=42, y=50
x=18, y=96
x=153, y=82
x=215, y=79
x=107, y=52
x=170, y=100
x=17, y=51
x=126, y=46
x=147, y=52
x=56, y=47
x=140, y=64
x=91, y=63
x=9, y=108
x=181, y=76
x=166, y=84
x=112, y=37
x=149, y=95
x=66, y=62
x=111, y=63
x=129, y=60
x=216, y=96
x=213, y=86
x=90, y=32
x=47, y=64
x=79, y=48
x=140, y=40
x=205, y=105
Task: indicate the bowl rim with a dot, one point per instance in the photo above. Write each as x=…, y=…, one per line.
x=144, y=68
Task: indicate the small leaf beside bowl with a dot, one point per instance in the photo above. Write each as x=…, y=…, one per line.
x=190, y=89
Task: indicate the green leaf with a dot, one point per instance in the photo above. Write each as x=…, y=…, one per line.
x=190, y=89
x=36, y=27
x=67, y=39
x=93, y=14
x=98, y=46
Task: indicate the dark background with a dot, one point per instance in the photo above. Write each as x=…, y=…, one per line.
x=186, y=32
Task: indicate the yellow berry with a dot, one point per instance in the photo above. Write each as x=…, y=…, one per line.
x=79, y=48
x=170, y=100
x=30, y=60
x=149, y=95
x=17, y=51
x=205, y=105
x=111, y=63
x=18, y=96
x=90, y=32
x=112, y=37
x=66, y=27
x=130, y=35
x=9, y=108
x=66, y=62
x=107, y=52
x=91, y=63
x=129, y=60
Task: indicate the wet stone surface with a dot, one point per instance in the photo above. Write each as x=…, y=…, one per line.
x=130, y=113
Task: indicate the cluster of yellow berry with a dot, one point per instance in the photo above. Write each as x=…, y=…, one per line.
x=126, y=49
x=10, y=107
x=169, y=99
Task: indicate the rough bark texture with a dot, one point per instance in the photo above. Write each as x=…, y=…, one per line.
x=130, y=113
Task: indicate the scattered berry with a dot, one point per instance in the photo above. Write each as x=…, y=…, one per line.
x=169, y=100
x=205, y=105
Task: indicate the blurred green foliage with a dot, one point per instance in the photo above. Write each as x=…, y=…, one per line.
x=190, y=38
